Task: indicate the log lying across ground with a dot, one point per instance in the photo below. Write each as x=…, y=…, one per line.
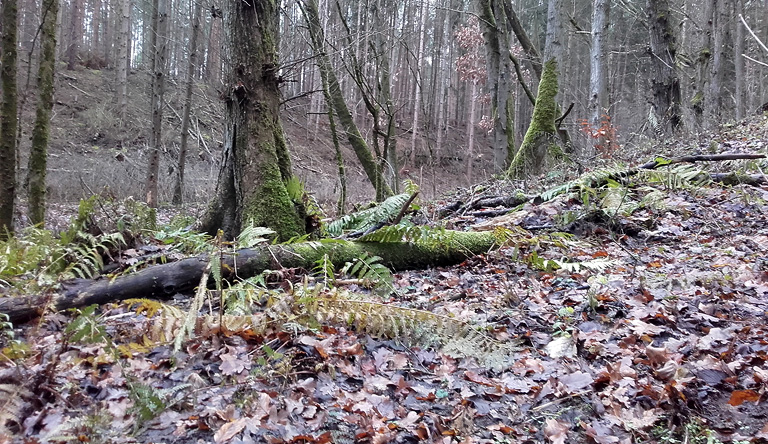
x=163, y=281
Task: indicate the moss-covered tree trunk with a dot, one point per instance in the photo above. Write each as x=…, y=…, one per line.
x=38, y=157
x=541, y=137
x=8, y=117
x=360, y=147
x=256, y=164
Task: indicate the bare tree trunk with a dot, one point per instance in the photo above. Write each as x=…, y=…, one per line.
x=95, y=28
x=160, y=28
x=494, y=25
x=75, y=33
x=738, y=50
x=123, y=18
x=178, y=191
x=8, y=117
x=716, y=88
x=598, y=76
x=213, y=53
x=38, y=156
x=419, y=83
x=665, y=83
x=471, y=118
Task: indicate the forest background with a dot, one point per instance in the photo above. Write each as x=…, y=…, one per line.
x=456, y=98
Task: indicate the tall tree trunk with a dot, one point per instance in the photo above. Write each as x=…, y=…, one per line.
x=213, y=53
x=95, y=27
x=8, y=117
x=717, y=90
x=665, y=84
x=738, y=50
x=494, y=25
x=256, y=165
x=598, y=75
x=388, y=162
x=75, y=33
x=178, y=191
x=360, y=147
x=38, y=156
x=419, y=82
x=471, y=122
x=122, y=62
x=160, y=29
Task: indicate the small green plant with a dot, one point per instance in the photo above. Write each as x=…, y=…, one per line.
x=371, y=272
x=563, y=326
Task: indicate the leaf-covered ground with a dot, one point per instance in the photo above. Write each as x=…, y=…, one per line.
x=648, y=324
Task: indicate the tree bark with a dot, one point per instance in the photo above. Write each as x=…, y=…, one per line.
x=598, y=76
x=178, y=191
x=8, y=117
x=75, y=33
x=717, y=90
x=256, y=165
x=123, y=27
x=665, y=83
x=738, y=50
x=213, y=53
x=163, y=281
x=497, y=43
x=38, y=156
x=157, y=104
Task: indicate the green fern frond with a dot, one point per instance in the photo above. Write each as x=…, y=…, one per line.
x=679, y=177
x=325, y=270
x=369, y=270
x=363, y=220
x=252, y=236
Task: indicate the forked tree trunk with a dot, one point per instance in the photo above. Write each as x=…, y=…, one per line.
x=8, y=117
x=38, y=156
x=256, y=165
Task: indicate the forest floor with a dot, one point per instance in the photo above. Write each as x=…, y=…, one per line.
x=647, y=322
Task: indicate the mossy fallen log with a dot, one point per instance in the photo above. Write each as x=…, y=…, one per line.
x=164, y=281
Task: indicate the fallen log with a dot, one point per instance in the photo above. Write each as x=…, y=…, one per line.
x=164, y=281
